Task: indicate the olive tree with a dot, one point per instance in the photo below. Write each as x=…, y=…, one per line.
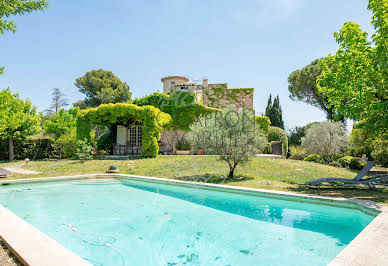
x=325, y=138
x=232, y=134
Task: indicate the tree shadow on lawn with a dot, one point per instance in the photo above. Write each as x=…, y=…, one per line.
x=214, y=179
x=379, y=194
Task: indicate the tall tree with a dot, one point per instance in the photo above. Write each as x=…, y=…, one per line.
x=61, y=123
x=58, y=100
x=101, y=86
x=11, y=8
x=274, y=112
x=302, y=85
x=19, y=119
x=355, y=79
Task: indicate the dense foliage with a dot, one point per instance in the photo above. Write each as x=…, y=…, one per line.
x=274, y=112
x=34, y=149
x=325, y=138
x=18, y=119
x=101, y=87
x=181, y=106
x=263, y=123
x=106, y=115
x=354, y=80
x=296, y=134
x=278, y=134
x=302, y=87
x=232, y=135
x=61, y=123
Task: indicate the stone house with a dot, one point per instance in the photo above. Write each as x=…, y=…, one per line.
x=216, y=95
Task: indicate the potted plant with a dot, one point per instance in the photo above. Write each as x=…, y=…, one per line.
x=182, y=147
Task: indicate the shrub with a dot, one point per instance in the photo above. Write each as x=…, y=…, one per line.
x=83, y=150
x=68, y=145
x=183, y=145
x=316, y=158
x=34, y=149
x=297, y=152
x=335, y=163
x=380, y=152
x=325, y=138
x=345, y=160
x=278, y=134
x=327, y=159
x=355, y=164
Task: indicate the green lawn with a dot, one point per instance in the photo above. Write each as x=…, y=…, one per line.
x=266, y=173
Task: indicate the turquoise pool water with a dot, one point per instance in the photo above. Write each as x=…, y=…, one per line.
x=132, y=222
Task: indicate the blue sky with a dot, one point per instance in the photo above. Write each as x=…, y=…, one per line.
x=251, y=43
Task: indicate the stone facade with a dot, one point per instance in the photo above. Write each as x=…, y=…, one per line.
x=216, y=95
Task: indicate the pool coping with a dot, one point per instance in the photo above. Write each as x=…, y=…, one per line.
x=368, y=248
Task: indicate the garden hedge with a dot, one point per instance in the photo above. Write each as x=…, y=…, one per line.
x=151, y=119
x=34, y=149
x=278, y=134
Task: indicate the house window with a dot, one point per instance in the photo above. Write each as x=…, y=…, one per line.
x=135, y=134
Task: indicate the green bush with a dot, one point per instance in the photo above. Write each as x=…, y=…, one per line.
x=34, y=149
x=278, y=134
x=355, y=164
x=380, y=152
x=316, y=158
x=351, y=162
x=297, y=153
x=327, y=159
x=263, y=122
x=68, y=144
x=183, y=145
x=83, y=150
x=335, y=163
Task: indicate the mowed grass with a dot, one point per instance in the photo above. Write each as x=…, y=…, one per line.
x=260, y=172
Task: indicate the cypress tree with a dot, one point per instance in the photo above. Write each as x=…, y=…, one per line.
x=274, y=112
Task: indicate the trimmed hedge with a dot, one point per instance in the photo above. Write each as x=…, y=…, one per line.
x=278, y=134
x=34, y=149
x=151, y=119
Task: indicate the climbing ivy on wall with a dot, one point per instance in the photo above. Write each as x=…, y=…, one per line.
x=151, y=118
x=180, y=105
x=216, y=96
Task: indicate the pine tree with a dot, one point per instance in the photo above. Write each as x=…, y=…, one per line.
x=58, y=100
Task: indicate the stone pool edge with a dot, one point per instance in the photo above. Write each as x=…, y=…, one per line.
x=32, y=247
x=368, y=248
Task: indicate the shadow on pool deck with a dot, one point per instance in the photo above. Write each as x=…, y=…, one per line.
x=214, y=179
x=363, y=193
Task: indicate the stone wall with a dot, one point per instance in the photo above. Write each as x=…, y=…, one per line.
x=219, y=97
x=169, y=139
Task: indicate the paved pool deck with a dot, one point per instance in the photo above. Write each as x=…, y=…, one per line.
x=32, y=247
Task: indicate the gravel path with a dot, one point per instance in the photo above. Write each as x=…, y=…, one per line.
x=6, y=258
x=17, y=169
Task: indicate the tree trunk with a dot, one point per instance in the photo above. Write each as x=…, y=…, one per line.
x=11, y=155
x=231, y=170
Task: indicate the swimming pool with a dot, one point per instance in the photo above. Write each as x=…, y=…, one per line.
x=126, y=221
